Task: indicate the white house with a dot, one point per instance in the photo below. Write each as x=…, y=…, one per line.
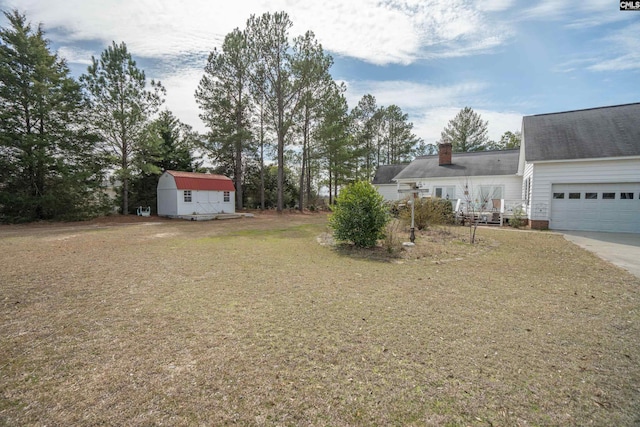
x=383, y=181
x=475, y=177
x=189, y=193
x=581, y=169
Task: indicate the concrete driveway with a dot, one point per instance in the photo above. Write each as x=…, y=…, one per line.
x=621, y=249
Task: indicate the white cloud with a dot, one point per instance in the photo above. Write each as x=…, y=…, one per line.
x=430, y=107
x=494, y=5
x=180, y=99
x=411, y=95
x=75, y=56
x=380, y=32
x=621, y=51
x=577, y=15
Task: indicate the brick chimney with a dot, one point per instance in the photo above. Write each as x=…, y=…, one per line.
x=444, y=154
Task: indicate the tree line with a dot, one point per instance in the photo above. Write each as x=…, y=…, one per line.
x=278, y=125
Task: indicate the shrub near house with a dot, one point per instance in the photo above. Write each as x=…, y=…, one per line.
x=359, y=215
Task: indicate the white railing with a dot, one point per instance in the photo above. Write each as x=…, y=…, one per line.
x=483, y=210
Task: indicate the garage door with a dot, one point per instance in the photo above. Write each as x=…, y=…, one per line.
x=596, y=207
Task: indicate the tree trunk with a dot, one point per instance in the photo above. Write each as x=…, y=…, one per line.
x=238, y=179
x=238, y=159
x=262, y=203
x=125, y=179
x=280, y=205
x=262, y=174
x=305, y=139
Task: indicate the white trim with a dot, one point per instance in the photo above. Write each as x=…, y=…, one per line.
x=591, y=159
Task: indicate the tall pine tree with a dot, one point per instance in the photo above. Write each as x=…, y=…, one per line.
x=48, y=164
x=466, y=132
x=121, y=107
x=223, y=96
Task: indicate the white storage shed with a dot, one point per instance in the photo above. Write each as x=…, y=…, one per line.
x=189, y=193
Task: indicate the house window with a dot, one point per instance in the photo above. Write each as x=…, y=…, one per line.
x=227, y=196
x=187, y=196
x=448, y=193
x=558, y=195
x=574, y=196
x=626, y=196
x=591, y=196
x=488, y=192
x=527, y=191
x=608, y=196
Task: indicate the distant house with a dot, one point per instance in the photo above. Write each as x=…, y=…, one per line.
x=581, y=169
x=383, y=181
x=188, y=193
x=477, y=177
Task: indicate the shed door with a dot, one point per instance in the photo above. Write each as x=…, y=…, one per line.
x=595, y=207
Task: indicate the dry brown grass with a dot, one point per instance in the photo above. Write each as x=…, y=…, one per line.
x=253, y=322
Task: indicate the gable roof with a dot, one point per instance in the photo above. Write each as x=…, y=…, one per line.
x=479, y=163
x=583, y=134
x=201, y=181
x=385, y=173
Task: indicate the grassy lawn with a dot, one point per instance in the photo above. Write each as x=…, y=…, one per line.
x=258, y=321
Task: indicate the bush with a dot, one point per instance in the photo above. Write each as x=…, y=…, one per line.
x=517, y=220
x=429, y=211
x=359, y=215
x=391, y=241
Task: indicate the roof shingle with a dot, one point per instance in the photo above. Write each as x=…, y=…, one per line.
x=479, y=163
x=201, y=181
x=583, y=134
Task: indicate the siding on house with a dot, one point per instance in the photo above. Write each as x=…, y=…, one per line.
x=383, y=181
x=511, y=185
x=576, y=172
x=472, y=170
x=388, y=191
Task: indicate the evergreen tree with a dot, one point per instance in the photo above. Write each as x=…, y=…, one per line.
x=333, y=133
x=364, y=133
x=311, y=69
x=399, y=138
x=509, y=140
x=281, y=75
x=48, y=166
x=466, y=132
x=223, y=95
x=168, y=144
x=121, y=108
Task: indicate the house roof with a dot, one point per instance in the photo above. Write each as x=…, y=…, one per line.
x=583, y=134
x=385, y=173
x=479, y=163
x=201, y=181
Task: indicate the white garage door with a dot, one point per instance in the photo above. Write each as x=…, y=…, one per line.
x=596, y=207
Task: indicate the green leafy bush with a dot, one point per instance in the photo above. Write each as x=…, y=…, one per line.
x=428, y=211
x=359, y=215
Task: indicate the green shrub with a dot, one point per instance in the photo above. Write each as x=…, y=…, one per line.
x=359, y=215
x=428, y=211
x=517, y=220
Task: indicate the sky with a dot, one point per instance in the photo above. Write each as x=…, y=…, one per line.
x=503, y=58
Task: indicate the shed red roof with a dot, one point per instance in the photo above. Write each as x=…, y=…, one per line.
x=201, y=181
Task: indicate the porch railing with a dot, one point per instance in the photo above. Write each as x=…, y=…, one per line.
x=489, y=210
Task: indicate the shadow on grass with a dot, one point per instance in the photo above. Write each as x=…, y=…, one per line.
x=376, y=253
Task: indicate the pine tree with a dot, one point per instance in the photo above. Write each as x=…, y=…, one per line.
x=466, y=132
x=121, y=107
x=223, y=96
x=168, y=144
x=49, y=167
